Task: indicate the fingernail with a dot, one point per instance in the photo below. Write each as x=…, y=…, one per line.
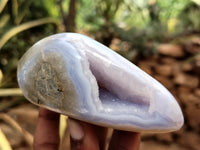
x=75, y=129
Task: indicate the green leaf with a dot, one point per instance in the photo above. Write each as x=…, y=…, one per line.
x=11, y=92
x=12, y=32
x=22, y=10
x=4, y=144
x=15, y=8
x=4, y=20
x=1, y=77
x=2, y=4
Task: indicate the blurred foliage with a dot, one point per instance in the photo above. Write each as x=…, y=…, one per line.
x=189, y=17
x=139, y=25
x=16, y=16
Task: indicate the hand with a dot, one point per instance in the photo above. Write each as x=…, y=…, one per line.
x=84, y=136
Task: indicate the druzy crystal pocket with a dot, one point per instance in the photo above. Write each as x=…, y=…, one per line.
x=74, y=75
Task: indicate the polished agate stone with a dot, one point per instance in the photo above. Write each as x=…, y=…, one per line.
x=72, y=74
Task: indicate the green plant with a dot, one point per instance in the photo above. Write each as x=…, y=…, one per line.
x=14, y=26
x=15, y=18
x=189, y=18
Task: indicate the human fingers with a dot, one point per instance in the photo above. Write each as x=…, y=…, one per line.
x=85, y=136
x=47, y=131
x=124, y=140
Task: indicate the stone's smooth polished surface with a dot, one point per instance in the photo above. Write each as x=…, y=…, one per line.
x=74, y=75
